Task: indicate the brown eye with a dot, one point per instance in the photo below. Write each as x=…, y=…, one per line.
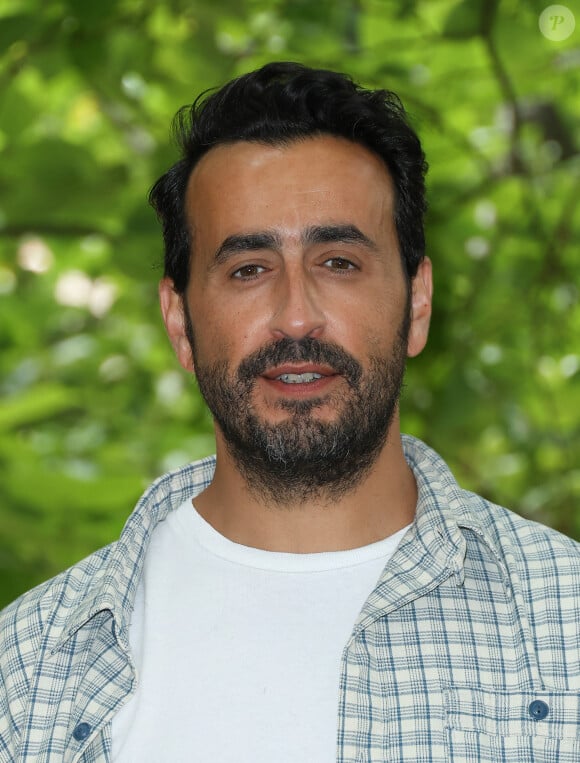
x=248, y=271
x=339, y=263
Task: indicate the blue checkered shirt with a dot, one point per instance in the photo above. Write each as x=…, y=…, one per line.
x=467, y=650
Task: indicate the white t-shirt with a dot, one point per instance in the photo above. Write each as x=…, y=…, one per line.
x=238, y=649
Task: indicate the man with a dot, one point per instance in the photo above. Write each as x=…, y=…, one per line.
x=323, y=589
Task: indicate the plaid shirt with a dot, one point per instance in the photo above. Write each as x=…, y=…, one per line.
x=467, y=650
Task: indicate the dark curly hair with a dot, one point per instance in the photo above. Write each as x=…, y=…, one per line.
x=276, y=105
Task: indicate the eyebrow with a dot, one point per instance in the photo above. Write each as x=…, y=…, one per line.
x=337, y=234
x=314, y=234
x=246, y=242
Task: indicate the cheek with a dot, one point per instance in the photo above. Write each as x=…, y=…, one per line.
x=383, y=327
x=233, y=325
x=219, y=338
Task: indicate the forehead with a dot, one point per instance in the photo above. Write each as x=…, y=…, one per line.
x=323, y=179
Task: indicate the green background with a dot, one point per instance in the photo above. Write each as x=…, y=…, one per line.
x=93, y=404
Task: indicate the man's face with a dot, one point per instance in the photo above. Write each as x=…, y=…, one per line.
x=298, y=308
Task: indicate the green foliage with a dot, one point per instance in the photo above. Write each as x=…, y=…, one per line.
x=93, y=405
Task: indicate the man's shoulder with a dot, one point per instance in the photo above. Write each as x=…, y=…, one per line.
x=24, y=623
x=519, y=543
x=115, y=563
x=60, y=592
x=525, y=542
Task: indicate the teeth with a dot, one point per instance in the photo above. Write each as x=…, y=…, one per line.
x=298, y=378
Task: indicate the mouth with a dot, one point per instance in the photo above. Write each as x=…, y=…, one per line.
x=298, y=380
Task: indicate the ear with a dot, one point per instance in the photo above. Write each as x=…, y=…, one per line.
x=421, y=298
x=172, y=310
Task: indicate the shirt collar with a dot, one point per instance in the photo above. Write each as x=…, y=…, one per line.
x=444, y=509
x=114, y=586
x=434, y=548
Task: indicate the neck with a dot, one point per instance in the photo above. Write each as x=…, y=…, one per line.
x=381, y=503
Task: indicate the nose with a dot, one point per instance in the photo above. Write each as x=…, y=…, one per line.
x=297, y=311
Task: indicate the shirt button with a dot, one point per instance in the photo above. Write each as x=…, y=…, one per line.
x=538, y=710
x=81, y=732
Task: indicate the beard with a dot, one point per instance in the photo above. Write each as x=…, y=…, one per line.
x=303, y=457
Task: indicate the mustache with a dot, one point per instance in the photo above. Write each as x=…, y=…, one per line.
x=306, y=350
